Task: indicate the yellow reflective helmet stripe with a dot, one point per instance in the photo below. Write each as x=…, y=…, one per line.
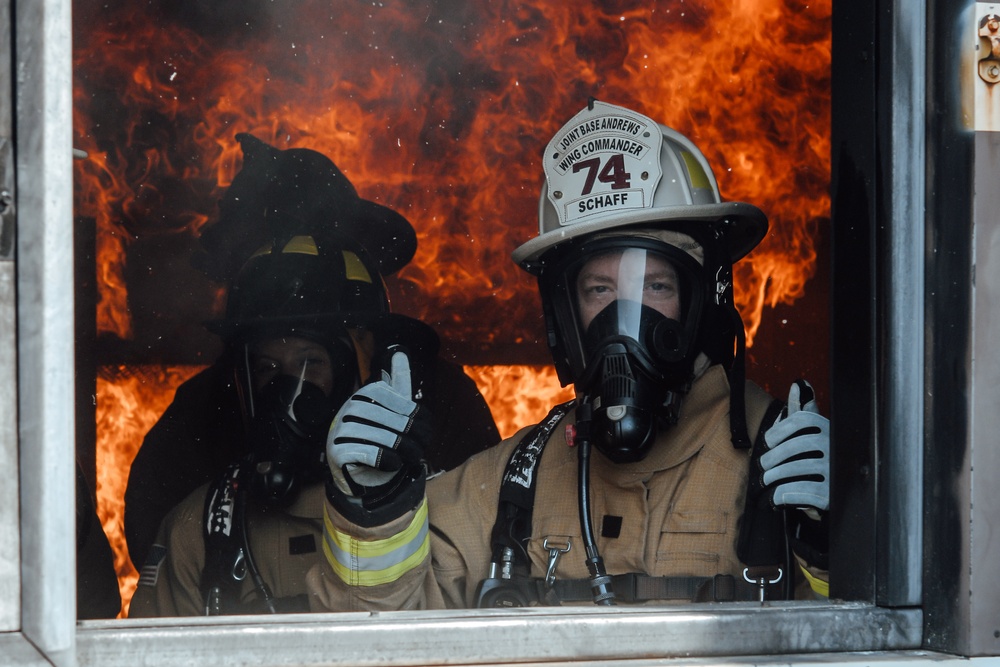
x=359, y=563
x=300, y=245
x=355, y=269
x=699, y=179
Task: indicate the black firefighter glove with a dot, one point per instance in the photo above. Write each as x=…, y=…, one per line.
x=375, y=449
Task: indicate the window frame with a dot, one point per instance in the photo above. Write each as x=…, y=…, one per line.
x=10, y=540
x=37, y=602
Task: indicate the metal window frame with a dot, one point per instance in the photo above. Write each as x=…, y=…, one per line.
x=42, y=131
x=10, y=540
x=877, y=166
x=37, y=596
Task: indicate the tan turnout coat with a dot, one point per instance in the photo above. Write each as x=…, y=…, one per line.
x=679, y=510
x=286, y=544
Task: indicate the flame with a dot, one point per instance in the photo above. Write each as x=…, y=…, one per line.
x=441, y=114
x=518, y=396
x=129, y=401
x=438, y=110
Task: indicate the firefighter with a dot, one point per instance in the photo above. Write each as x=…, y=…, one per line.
x=280, y=194
x=668, y=478
x=299, y=321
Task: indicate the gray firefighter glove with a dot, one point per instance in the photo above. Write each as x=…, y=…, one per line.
x=375, y=449
x=797, y=463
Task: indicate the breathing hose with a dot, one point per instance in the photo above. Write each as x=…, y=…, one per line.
x=600, y=581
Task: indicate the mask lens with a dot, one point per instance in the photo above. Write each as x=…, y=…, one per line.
x=294, y=357
x=632, y=275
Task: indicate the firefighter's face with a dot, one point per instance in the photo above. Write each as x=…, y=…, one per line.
x=288, y=355
x=630, y=274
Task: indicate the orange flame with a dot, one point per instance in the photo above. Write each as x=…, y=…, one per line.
x=442, y=116
x=518, y=396
x=439, y=110
x=129, y=401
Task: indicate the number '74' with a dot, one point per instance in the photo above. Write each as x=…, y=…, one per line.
x=612, y=172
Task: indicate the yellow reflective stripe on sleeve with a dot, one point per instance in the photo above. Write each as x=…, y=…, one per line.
x=359, y=563
x=819, y=586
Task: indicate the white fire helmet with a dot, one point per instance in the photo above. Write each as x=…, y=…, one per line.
x=622, y=187
x=610, y=167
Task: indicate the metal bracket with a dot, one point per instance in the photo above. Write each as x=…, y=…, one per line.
x=989, y=67
x=7, y=210
x=980, y=67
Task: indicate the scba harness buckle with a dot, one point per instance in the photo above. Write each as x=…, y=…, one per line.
x=556, y=549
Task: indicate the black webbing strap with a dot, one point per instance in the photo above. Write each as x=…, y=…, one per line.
x=737, y=390
x=634, y=587
x=517, y=489
x=762, y=542
x=221, y=579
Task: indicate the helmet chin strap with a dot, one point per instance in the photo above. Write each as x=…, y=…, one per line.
x=737, y=377
x=736, y=373
x=247, y=384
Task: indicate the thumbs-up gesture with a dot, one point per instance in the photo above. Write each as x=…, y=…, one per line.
x=376, y=440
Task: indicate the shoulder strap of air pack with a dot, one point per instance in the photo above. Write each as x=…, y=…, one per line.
x=227, y=563
x=517, y=489
x=225, y=566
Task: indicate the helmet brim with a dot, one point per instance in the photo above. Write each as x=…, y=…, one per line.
x=747, y=227
x=388, y=237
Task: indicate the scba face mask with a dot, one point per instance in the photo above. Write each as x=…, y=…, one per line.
x=629, y=309
x=288, y=422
